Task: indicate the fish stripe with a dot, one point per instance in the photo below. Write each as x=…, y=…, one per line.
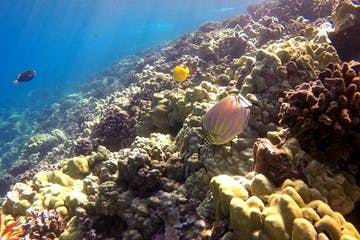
x=206, y=120
x=210, y=119
x=232, y=128
x=231, y=124
x=214, y=111
x=206, y=136
x=220, y=115
x=225, y=120
x=230, y=119
x=228, y=108
x=237, y=126
x=218, y=110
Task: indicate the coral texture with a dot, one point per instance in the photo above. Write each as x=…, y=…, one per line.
x=346, y=19
x=125, y=156
x=44, y=225
x=10, y=229
x=115, y=129
x=256, y=209
x=324, y=114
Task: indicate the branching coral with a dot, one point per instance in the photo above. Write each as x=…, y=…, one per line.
x=325, y=114
x=44, y=225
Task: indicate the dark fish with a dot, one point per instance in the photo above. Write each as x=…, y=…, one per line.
x=25, y=76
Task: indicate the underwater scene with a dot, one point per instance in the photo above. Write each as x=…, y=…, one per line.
x=180, y=120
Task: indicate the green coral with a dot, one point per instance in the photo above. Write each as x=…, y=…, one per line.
x=77, y=167
x=50, y=190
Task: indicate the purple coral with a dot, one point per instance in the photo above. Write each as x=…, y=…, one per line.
x=45, y=224
x=115, y=129
x=20, y=167
x=83, y=146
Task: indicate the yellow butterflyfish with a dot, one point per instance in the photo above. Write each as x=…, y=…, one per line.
x=180, y=73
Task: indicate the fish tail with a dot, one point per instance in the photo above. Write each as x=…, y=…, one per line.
x=15, y=82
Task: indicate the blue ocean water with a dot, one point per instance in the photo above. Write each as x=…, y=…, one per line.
x=68, y=41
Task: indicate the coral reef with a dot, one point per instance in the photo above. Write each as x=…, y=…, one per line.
x=324, y=114
x=290, y=9
x=256, y=209
x=278, y=162
x=340, y=188
x=44, y=225
x=346, y=19
x=83, y=146
x=115, y=129
x=125, y=156
x=43, y=143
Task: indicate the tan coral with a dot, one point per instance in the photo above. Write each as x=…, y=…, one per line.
x=271, y=67
x=54, y=189
x=341, y=189
x=169, y=109
x=224, y=189
x=293, y=211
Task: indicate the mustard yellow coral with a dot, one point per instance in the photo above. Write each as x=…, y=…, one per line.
x=293, y=211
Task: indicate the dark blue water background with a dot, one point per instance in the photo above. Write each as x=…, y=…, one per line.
x=68, y=41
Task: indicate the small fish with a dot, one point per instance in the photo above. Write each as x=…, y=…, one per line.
x=226, y=119
x=25, y=77
x=180, y=73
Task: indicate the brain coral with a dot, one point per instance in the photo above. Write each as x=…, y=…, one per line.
x=325, y=114
x=257, y=210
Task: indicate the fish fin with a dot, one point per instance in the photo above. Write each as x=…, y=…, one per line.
x=243, y=101
x=16, y=82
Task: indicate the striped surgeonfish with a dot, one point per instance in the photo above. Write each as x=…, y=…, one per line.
x=226, y=119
